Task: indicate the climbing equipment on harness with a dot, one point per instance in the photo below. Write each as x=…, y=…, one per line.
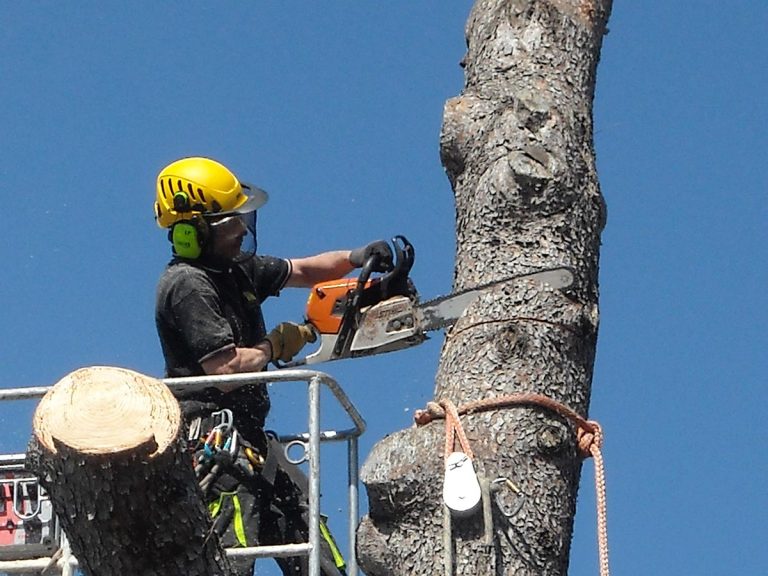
x=589, y=436
x=28, y=526
x=223, y=460
x=220, y=449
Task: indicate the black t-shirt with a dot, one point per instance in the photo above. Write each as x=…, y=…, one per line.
x=201, y=311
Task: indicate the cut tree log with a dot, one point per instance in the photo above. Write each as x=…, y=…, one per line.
x=108, y=446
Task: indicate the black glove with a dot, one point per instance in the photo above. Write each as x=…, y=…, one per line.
x=378, y=249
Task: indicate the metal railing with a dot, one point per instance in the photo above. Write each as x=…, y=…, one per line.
x=309, y=440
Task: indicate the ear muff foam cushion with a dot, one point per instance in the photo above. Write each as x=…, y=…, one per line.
x=186, y=240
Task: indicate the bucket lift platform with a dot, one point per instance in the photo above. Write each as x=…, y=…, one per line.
x=30, y=536
x=28, y=526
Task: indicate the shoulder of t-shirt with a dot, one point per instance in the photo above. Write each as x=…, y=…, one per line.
x=269, y=273
x=182, y=278
x=179, y=269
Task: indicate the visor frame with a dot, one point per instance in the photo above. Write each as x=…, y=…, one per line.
x=257, y=197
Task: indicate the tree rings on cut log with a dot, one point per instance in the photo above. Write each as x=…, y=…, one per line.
x=106, y=410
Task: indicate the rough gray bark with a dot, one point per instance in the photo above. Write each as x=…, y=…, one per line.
x=108, y=447
x=517, y=148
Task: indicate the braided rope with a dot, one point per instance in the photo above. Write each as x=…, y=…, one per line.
x=454, y=429
x=589, y=437
x=594, y=445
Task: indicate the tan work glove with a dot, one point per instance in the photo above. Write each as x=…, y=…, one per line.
x=288, y=338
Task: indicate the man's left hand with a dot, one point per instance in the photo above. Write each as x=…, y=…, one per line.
x=288, y=338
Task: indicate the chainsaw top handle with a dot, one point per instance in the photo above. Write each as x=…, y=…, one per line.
x=404, y=254
x=366, y=271
x=403, y=261
x=396, y=282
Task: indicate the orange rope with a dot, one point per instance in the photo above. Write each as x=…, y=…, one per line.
x=589, y=437
x=453, y=429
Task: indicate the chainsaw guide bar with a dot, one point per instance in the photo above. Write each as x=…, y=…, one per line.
x=363, y=316
x=443, y=311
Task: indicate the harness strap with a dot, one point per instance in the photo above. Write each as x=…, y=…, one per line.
x=237, y=520
x=338, y=559
x=269, y=469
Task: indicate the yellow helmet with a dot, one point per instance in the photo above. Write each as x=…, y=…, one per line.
x=200, y=186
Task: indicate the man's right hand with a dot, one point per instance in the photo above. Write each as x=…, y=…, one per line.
x=288, y=338
x=378, y=249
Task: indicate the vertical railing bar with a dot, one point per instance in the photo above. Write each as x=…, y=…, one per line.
x=352, y=473
x=314, y=476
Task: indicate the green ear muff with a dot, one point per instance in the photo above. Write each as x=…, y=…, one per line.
x=186, y=243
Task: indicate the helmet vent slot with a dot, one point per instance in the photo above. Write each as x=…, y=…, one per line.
x=202, y=196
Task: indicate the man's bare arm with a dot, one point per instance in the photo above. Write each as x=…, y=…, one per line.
x=236, y=360
x=306, y=272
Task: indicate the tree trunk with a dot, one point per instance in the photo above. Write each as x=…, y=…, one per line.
x=108, y=447
x=517, y=148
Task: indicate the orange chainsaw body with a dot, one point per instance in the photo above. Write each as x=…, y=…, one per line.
x=327, y=302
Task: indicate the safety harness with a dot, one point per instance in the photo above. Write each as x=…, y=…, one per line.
x=230, y=468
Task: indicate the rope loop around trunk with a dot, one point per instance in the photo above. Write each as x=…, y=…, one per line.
x=589, y=437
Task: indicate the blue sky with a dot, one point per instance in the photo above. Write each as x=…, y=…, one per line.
x=335, y=108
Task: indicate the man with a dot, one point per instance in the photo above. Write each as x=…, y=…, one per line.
x=209, y=320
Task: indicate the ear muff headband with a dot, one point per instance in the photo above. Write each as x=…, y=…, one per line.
x=188, y=239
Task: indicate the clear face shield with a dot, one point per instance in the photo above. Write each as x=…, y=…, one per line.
x=233, y=237
x=233, y=234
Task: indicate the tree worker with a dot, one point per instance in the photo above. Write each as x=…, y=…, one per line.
x=209, y=320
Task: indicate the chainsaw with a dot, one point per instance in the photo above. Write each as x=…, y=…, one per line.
x=363, y=316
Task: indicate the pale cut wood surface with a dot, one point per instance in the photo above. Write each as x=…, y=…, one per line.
x=104, y=410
